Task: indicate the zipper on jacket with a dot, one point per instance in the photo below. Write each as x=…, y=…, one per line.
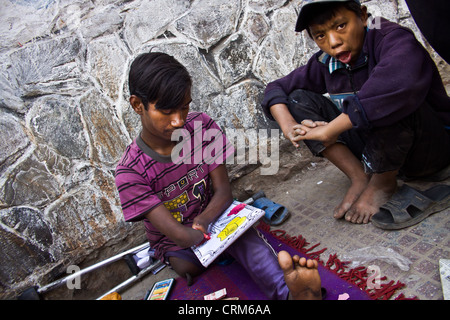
x=350, y=76
x=350, y=71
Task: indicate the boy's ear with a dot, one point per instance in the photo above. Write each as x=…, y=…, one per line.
x=365, y=15
x=137, y=105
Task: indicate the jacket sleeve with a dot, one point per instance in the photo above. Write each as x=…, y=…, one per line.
x=397, y=85
x=307, y=77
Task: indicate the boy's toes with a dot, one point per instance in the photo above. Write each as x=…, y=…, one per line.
x=312, y=264
x=285, y=261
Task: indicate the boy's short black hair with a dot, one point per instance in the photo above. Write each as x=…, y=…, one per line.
x=322, y=13
x=157, y=77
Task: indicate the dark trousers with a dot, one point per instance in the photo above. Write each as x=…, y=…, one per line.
x=417, y=146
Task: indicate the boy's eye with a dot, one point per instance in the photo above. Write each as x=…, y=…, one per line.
x=319, y=36
x=341, y=26
x=166, y=112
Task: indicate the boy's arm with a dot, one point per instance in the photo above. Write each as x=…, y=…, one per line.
x=220, y=201
x=308, y=77
x=326, y=133
x=184, y=237
x=286, y=121
x=290, y=128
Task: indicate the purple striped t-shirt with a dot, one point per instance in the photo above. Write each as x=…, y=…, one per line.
x=146, y=179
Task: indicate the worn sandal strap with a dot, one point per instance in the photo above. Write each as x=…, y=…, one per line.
x=402, y=200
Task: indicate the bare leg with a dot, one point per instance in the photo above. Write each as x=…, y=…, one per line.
x=184, y=268
x=344, y=160
x=380, y=188
x=301, y=276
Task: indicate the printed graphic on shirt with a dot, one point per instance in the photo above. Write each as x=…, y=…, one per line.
x=178, y=205
x=199, y=190
x=183, y=182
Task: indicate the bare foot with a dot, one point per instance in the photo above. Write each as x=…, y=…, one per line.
x=379, y=190
x=341, y=156
x=301, y=276
x=352, y=195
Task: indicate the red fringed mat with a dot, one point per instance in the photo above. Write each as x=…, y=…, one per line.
x=336, y=277
x=357, y=277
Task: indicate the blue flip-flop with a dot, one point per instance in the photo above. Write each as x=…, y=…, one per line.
x=275, y=213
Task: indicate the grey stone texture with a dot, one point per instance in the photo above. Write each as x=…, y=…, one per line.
x=65, y=118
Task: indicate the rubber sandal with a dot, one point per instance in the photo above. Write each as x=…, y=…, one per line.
x=409, y=206
x=275, y=213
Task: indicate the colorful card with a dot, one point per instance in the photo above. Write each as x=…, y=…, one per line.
x=237, y=219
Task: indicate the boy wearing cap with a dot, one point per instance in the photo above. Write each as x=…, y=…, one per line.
x=388, y=110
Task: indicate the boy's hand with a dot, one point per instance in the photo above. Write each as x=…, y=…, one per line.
x=293, y=130
x=318, y=130
x=291, y=135
x=298, y=130
x=325, y=132
x=219, y=202
x=313, y=130
x=305, y=126
x=200, y=223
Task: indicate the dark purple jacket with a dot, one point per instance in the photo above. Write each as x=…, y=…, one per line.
x=396, y=77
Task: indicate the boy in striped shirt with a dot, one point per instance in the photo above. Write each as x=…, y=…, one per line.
x=177, y=197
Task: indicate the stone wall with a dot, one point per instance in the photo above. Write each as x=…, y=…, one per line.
x=65, y=120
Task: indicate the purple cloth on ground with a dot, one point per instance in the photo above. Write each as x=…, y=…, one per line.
x=239, y=284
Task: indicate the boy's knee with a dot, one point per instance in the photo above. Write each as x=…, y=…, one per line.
x=304, y=104
x=301, y=96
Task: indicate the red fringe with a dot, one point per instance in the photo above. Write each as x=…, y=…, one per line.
x=357, y=276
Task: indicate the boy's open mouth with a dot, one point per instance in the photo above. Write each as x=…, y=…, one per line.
x=344, y=57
